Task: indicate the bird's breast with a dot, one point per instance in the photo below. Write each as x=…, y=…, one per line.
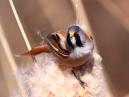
x=73, y=62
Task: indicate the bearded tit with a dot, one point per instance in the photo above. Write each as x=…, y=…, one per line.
x=73, y=48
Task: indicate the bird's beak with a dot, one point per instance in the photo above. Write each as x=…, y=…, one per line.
x=71, y=34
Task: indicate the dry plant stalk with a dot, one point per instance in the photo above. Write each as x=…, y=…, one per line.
x=9, y=66
x=20, y=25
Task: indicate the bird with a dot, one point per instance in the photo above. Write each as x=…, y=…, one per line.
x=73, y=47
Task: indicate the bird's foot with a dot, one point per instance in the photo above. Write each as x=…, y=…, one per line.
x=82, y=83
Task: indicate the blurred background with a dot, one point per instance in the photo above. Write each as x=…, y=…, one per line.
x=109, y=21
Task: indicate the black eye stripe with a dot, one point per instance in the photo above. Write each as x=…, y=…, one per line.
x=69, y=41
x=78, y=40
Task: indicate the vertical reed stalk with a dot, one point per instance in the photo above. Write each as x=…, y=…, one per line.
x=9, y=67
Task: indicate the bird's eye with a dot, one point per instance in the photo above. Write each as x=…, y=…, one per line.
x=76, y=29
x=78, y=40
x=75, y=36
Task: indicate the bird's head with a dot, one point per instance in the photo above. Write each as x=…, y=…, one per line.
x=78, y=41
x=76, y=37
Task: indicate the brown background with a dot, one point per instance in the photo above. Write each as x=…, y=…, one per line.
x=48, y=16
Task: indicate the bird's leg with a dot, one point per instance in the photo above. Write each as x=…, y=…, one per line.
x=82, y=83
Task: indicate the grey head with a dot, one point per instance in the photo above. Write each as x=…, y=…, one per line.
x=76, y=37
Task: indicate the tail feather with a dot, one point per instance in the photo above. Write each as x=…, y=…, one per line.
x=35, y=51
